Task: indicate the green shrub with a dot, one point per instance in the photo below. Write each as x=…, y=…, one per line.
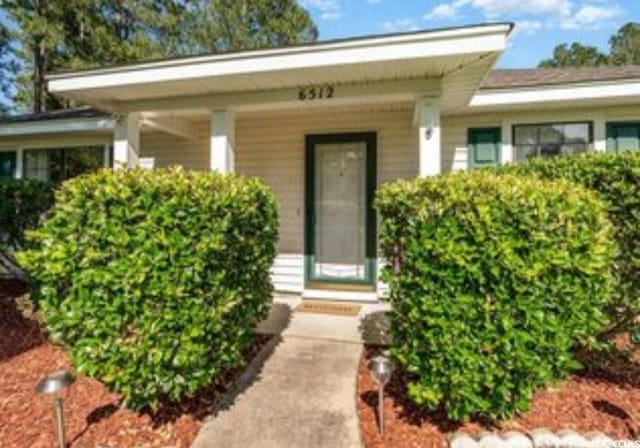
x=493, y=281
x=22, y=206
x=616, y=177
x=155, y=280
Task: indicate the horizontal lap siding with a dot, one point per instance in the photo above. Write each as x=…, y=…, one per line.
x=272, y=147
x=455, y=154
x=168, y=150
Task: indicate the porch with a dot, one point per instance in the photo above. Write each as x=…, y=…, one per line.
x=322, y=125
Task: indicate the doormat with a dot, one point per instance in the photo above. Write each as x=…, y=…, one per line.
x=332, y=308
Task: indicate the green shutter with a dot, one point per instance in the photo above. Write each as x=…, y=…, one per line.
x=623, y=136
x=484, y=147
x=8, y=163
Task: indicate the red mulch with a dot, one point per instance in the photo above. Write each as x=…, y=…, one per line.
x=93, y=416
x=606, y=400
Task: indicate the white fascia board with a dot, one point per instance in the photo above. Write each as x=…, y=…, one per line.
x=414, y=46
x=57, y=126
x=547, y=94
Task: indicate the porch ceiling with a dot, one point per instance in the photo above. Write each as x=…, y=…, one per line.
x=460, y=57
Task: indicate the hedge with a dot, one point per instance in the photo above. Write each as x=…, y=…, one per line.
x=616, y=178
x=23, y=204
x=493, y=281
x=155, y=280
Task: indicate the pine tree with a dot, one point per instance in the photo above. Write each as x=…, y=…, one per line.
x=55, y=35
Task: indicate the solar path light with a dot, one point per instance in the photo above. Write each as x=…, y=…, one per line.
x=381, y=368
x=53, y=385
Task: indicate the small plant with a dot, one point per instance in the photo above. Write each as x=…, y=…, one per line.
x=616, y=179
x=155, y=280
x=23, y=204
x=494, y=281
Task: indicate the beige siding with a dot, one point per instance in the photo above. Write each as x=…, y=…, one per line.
x=168, y=150
x=454, y=128
x=57, y=140
x=271, y=147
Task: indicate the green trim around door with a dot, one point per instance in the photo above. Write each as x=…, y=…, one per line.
x=623, y=136
x=369, y=280
x=8, y=163
x=484, y=146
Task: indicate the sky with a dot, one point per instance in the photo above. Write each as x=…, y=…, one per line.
x=539, y=24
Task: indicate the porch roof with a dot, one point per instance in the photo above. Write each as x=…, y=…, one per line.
x=460, y=57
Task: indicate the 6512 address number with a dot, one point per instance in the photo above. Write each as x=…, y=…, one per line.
x=315, y=93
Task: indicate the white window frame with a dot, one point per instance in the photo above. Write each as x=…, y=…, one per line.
x=106, y=153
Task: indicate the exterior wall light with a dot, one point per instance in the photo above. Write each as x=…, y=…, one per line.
x=381, y=369
x=53, y=385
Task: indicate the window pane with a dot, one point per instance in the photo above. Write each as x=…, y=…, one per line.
x=548, y=140
x=576, y=133
x=526, y=135
x=550, y=150
x=627, y=137
x=7, y=163
x=59, y=164
x=525, y=152
x=574, y=148
x=36, y=164
x=551, y=134
x=83, y=160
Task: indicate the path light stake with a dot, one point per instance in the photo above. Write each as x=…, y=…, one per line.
x=54, y=384
x=381, y=368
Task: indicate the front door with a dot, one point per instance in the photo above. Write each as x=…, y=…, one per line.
x=340, y=249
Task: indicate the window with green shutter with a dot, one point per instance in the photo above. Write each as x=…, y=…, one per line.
x=484, y=147
x=623, y=136
x=8, y=163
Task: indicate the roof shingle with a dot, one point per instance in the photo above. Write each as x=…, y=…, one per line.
x=510, y=78
x=79, y=112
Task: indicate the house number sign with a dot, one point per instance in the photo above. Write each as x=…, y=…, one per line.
x=312, y=93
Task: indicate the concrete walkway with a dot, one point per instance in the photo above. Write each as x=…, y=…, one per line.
x=300, y=391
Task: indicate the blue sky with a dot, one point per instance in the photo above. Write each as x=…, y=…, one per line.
x=540, y=24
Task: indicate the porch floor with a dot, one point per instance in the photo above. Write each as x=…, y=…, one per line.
x=369, y=326
x=300, y=391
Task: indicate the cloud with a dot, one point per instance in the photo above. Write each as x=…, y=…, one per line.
x=527, y=27
x=400, y=25
x=500, y=8
x=533, y=15
x=446, y=10
x=590, y=17
x=328, y=9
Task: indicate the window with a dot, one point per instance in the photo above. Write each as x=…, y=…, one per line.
x=7, y=163
x=546, y=140
x=484, y=147
x=623, y=136
x=58, y=164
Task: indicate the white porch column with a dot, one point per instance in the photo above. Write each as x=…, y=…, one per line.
x=19, y=163
x=222, y=141
x=600, y=133
x=430, y=148
x=507, y=153
x=126, y=141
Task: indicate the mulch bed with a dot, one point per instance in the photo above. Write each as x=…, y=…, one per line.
x=93, y=416
x=606, y=399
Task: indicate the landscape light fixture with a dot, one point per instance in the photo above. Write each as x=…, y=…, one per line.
x=53, y=385
x=381, y=368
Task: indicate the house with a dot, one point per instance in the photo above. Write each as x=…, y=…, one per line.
x=323, y=124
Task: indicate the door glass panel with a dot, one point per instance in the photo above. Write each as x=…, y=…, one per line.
x=340, y=198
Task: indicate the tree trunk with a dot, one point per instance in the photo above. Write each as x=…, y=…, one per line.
x=38, y=76
x=38, y=65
